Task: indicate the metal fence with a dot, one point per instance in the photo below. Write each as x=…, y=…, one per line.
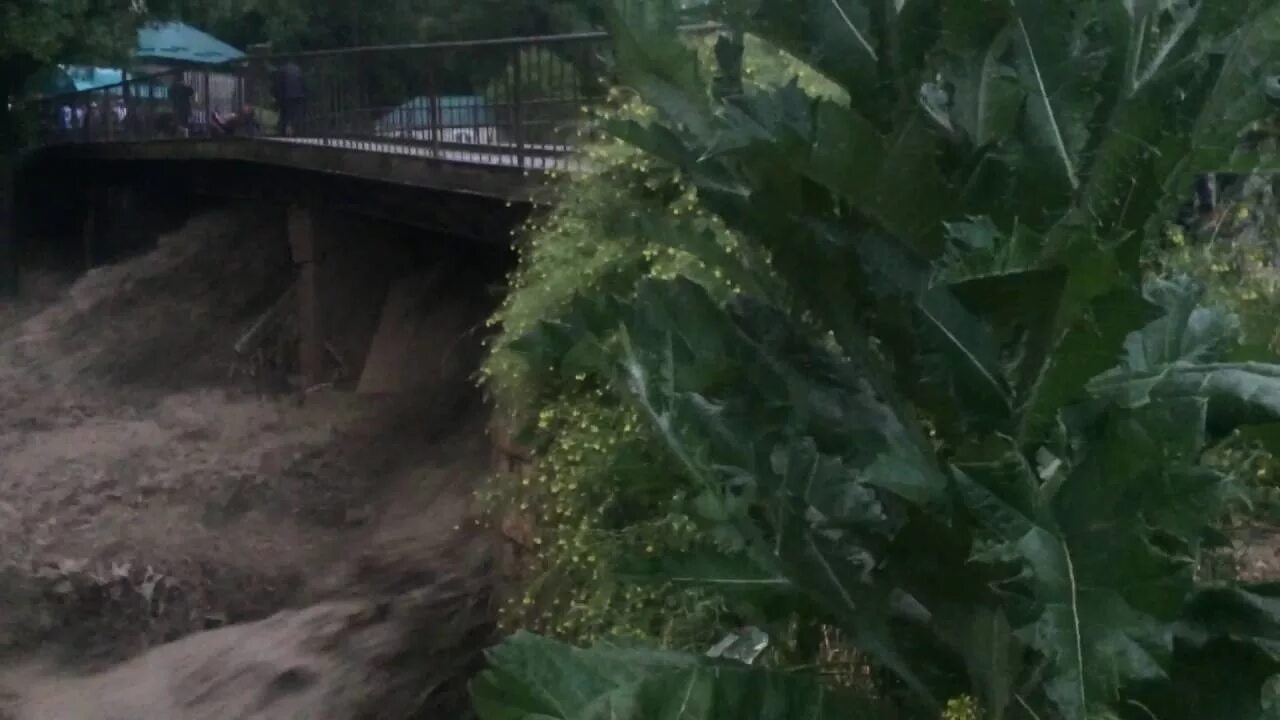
x=516, y=102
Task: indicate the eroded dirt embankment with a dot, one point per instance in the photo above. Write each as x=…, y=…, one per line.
x=148, y=494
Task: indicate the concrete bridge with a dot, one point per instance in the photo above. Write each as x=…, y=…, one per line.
x=485, y=119
x=449, y=142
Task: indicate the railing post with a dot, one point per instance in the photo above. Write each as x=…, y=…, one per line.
x=349, y=123
x=143, y=110
x=433, y=108
x=517, y=107
x=208, y=101
x=126, y=98
x=255, y=82
x=108, y=118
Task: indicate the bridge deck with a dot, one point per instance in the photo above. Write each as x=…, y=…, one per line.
x=547, y=157
x=483, y=117
x=489, y=171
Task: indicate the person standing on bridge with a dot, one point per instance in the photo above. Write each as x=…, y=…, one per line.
x=120, y=118
x=66, y=120
x=181, y=96
x=291, y=97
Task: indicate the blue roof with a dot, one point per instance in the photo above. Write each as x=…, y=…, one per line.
x=88, y=78
x=167, y=43
x=179, y=42
x=61, y=79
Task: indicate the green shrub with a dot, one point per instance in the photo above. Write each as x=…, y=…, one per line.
x=947, y=416
x=604, y=232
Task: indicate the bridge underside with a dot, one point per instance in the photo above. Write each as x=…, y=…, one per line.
x=468, y=201
x=352, y=234
x=483, y=172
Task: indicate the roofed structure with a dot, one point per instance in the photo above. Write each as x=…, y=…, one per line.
x=170, y=43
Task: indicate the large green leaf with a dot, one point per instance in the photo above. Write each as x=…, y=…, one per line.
x=533, y=678
x=992, y=659
x=1094, y=539
x=841, y=38
x=1059, y=76
x=733, y=572
x=1187, y=333
x=1089, y=344
x=811, y=534
x=1238, y=393
x=1169, y=360
x=1248, y=52
x=1227, y=649
x=1021, y=307
x=1158, y=75
x=828, y=261
x=987, y=98
x=1092, y=134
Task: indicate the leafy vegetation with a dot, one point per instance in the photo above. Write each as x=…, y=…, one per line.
x=298, y=25
x=1232, y=253
x=34, y=33
x=301, y=25
x=590, y=453
x=930, y=402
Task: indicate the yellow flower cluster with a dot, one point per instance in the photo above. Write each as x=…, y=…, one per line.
x=962, y=708
x=573, y=590
x=565, y=251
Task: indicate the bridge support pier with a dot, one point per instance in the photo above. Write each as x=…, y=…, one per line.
x=307, y=243
x=345, y=267
x=91, y=232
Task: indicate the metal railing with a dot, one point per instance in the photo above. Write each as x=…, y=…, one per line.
x=511, y=102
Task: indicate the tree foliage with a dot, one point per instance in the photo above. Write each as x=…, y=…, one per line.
x=960, y=428
x=35, y=33
x=292, y=25
x=66, y=30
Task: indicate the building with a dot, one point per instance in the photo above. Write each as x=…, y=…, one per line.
x=169, y=45
x=161, y=47
x=163, y=51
